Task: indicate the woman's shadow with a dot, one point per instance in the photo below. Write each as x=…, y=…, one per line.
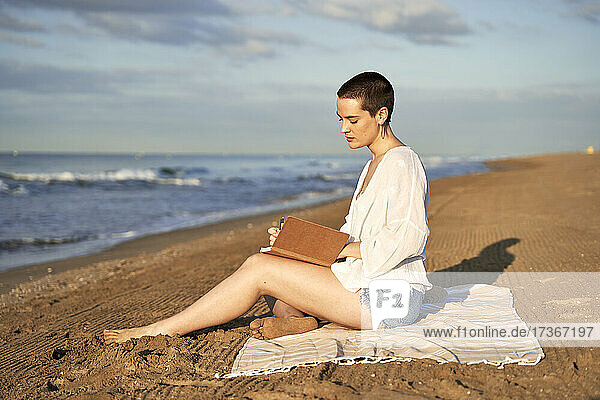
x=484, y=268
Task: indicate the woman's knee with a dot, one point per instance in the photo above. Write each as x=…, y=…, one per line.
x=266, y=270
x=257, y=266
x=252, y=262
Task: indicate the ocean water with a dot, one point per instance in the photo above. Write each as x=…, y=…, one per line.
x=54, y=206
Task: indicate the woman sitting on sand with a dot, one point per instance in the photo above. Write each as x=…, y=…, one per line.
x=387, y=222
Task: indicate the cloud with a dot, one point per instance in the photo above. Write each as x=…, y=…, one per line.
x=184, y=30
x=173, y=30
x=203, y=7
x=588, y=10
x=420, y=21
x=20, y=40
x=234, y=40
x=10, y=23
x=174, y=23
x=432, y=39
x=46, y=79
x=20, y=25
x=49, y=79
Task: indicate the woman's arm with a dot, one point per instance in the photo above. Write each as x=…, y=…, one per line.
x=351, y=250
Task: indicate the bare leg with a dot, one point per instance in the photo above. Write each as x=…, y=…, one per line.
x=311, y=289
x=281, y=309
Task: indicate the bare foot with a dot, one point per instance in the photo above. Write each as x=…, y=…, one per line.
x=273, y=327
x=123, y=335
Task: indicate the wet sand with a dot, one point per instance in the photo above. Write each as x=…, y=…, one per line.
x=536, y=213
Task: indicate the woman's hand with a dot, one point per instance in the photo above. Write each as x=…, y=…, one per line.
x=274, y=232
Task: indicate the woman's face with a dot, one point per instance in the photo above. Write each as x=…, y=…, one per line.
x=358, y=126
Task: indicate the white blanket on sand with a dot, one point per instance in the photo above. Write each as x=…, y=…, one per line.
x=477, y=309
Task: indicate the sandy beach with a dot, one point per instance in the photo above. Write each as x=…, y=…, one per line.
x=535, y=213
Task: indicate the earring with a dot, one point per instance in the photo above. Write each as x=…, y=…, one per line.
x=382, y=131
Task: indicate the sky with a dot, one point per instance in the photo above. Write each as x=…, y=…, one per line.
x=223, y=76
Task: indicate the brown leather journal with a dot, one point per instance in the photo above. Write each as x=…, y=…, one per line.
x=307, y=241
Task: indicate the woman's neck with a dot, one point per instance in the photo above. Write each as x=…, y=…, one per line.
x=380, y=146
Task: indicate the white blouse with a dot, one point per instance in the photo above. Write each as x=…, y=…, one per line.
x=390, y=220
